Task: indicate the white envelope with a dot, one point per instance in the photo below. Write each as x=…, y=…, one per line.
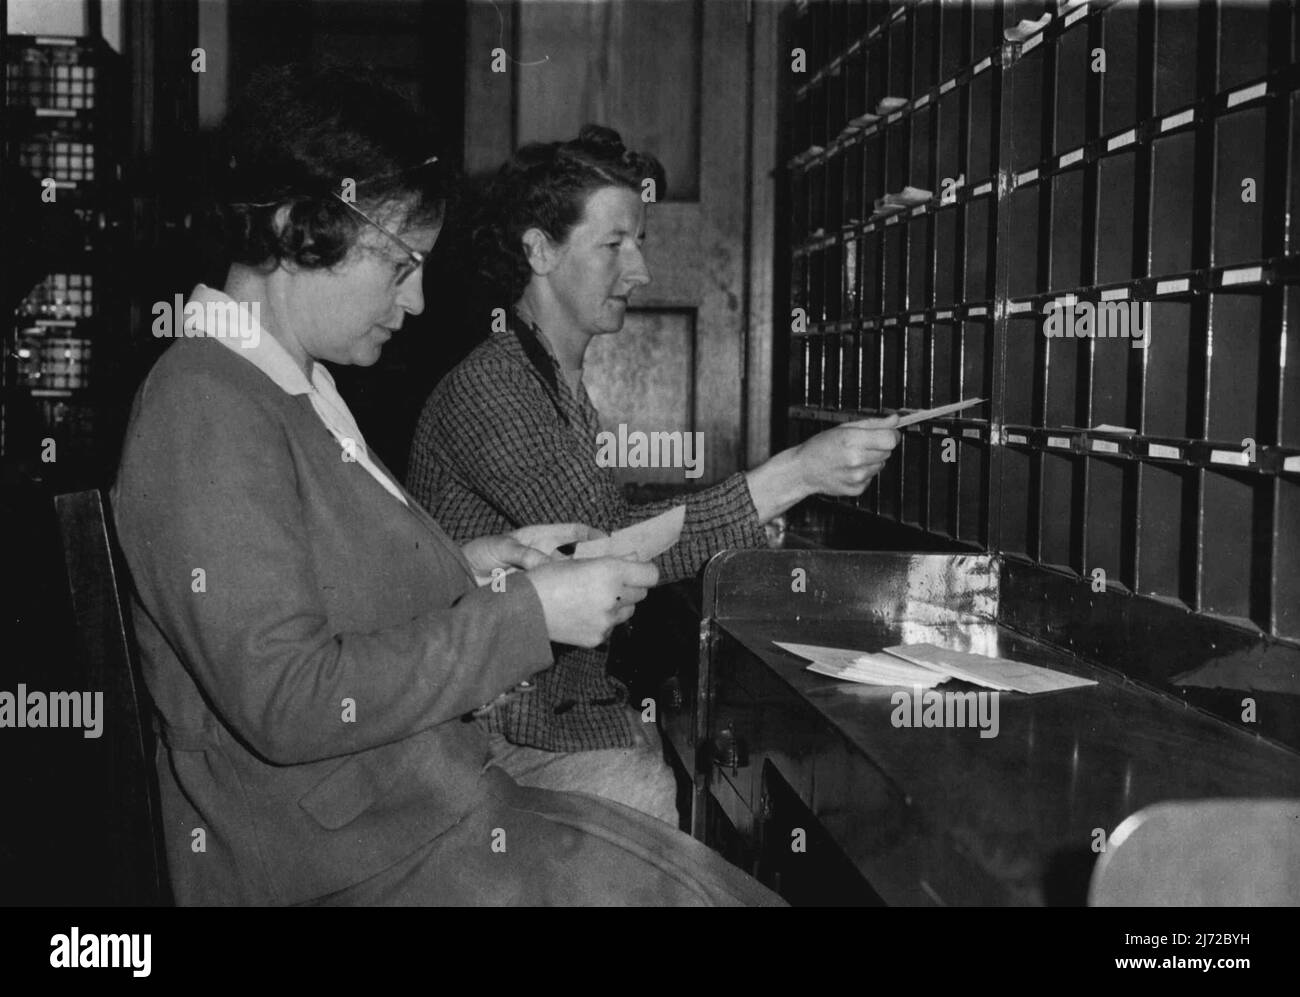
x=644, y=540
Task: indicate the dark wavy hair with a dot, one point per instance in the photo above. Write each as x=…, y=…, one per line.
x=296, y=135
x=545, y=185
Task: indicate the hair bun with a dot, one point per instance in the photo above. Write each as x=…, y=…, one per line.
x=600, y=138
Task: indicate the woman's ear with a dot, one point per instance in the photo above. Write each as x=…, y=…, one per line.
x=541, y=253
x=281, y=220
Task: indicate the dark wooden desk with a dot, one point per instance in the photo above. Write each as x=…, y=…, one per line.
x=929, y=815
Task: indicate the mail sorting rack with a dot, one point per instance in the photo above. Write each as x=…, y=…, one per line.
x=873, y=296
x=1127, y=153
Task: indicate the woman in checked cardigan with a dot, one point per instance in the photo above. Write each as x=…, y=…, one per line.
x=313, y=640
x=510, y=438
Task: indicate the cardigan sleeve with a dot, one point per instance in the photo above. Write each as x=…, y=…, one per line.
x=496, y=430
x=207, y=482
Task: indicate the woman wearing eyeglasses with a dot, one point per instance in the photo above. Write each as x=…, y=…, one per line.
x=315, y=644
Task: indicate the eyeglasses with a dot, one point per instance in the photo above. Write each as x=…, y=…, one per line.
x=416, y=259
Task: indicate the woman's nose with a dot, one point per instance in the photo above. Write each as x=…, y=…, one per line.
x=410, y=293
x=637, y=273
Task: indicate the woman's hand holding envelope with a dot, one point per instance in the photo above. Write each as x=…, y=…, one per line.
x=549, y=536
x=843, y=460
x=583, y=600
x=839, y=461
x=527, y=547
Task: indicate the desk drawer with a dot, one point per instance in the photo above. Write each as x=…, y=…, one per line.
x=863, y=839
x=787, y=750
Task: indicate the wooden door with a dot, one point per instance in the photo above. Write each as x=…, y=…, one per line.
x=672, y=76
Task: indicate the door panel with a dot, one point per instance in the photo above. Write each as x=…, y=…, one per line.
x=632, y=65
x=642, y=378
x=672, y=77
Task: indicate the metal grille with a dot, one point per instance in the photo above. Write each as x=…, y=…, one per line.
x=64, y=113
x=60, y=298
x=53, y=75
x=67, y=162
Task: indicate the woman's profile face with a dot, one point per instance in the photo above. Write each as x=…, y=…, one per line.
x=600, y=263
x=345, y=314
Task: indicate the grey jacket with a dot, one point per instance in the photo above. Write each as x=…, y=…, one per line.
x=311, y=645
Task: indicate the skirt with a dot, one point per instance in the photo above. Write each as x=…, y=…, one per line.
x=524, y=847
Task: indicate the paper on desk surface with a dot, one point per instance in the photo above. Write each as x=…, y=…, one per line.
x=992, y=673
x=928, y=665
x=646, y=539
x=907, y=419
x=859, y=666
x=920, y=678
x=839, y=657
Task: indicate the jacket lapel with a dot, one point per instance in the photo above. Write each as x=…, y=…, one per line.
x=414, y=507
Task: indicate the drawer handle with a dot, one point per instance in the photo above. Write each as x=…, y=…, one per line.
x=672, y=694
x=730, y=750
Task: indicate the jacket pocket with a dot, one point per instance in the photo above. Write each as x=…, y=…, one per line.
x=354, y=786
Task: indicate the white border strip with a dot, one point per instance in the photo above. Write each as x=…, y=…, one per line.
x=1247, y=275
x=1249, y=93
x=1119, y=141
x=1236, y=457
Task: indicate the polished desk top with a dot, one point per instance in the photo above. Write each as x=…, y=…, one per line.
x=959, y=808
